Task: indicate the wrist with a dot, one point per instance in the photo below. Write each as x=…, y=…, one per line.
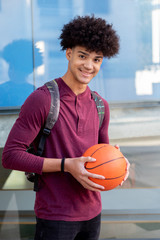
x=62, y=164
x=67, y=165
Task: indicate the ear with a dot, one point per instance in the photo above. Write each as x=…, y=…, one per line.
x=68, y=53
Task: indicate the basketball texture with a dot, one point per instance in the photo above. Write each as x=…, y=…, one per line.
x=110, y=163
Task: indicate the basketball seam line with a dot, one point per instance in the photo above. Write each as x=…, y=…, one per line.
x=103, y=163
x=97, y=150
x=115, y=177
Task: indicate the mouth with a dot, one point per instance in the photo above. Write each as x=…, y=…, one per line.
x=86, y=74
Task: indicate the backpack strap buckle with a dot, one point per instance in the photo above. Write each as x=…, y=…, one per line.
x=46, y=131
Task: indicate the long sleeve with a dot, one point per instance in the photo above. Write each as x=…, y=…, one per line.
x=26, y=128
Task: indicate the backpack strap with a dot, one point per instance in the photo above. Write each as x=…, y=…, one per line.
x=55, y=104
x=100, y=107
x=50, y=121
x=52, y=115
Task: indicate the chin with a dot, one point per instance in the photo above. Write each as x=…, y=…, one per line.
x=86, y=81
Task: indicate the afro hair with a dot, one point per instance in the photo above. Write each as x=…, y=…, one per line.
x=92, y=33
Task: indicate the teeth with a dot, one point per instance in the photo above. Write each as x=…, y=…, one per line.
x=86, y=73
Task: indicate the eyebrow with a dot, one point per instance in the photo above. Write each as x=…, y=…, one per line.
x=87, y=54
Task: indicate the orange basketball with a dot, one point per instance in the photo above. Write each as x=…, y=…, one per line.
x=110, y=163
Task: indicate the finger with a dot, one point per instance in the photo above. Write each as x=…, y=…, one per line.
x=86, y=179
x=97, y=176
x=88, y=159
x=126, y=176
x=128, y=164
x=93, y=186
x=121, y=183
x=117, y=147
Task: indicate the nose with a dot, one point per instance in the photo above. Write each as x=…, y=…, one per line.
x=88, y=64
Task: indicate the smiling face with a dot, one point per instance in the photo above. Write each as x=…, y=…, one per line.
x=83, y=65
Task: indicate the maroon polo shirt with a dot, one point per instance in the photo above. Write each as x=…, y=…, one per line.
x=60, y=196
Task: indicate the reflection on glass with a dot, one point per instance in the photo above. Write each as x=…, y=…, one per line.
x=19, y=56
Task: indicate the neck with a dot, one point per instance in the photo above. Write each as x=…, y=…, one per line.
x=77, y=88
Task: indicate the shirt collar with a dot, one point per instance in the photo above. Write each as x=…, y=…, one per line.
x=65, y=90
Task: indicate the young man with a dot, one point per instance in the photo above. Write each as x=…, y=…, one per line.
x=68, y=204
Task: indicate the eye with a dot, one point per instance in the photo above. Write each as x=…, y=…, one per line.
x=81, y=56
x=97, y=60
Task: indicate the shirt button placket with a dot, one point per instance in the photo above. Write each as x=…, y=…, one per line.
x=79, y=114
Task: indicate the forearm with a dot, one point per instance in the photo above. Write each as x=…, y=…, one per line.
x=55, y=164
x=51, y=165
x=76, y=167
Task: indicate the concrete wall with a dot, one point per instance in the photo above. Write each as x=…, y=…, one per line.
x=126, y=123
x=6, y=123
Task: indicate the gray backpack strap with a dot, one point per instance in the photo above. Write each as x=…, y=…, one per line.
x=55, y=104
x=50, y=121
x=100, y=107
x=52, y=115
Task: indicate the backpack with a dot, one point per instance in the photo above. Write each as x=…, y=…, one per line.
x=51, y=120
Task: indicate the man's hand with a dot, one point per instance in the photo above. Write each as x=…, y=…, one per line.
x=76, y=167
x=127, y=168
